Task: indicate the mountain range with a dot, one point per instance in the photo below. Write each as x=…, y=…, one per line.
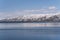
x=33, y=18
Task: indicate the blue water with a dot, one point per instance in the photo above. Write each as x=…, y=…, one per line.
x=29, y=31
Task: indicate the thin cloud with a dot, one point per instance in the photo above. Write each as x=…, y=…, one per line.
x=49, y=10
x=52, y=8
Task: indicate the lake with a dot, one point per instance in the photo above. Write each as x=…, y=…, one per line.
x=29, y=31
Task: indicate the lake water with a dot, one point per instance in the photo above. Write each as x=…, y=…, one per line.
x=29, y=31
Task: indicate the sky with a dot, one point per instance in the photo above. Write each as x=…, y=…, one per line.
x=9, y=8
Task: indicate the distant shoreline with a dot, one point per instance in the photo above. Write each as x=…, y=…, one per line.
x=26, y=22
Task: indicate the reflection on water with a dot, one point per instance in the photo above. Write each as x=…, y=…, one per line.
x=37, y=31
x=28, y=25
x=41, y=24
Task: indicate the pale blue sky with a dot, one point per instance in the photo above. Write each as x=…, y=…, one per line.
x=19, y=7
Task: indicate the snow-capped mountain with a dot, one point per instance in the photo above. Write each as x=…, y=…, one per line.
x=34, y=18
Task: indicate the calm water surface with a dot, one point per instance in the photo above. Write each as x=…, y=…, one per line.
x=29, y=31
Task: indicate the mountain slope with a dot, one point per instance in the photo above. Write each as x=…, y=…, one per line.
x=33, y=18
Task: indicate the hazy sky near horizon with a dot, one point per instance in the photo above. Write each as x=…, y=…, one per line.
x=24, y=7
